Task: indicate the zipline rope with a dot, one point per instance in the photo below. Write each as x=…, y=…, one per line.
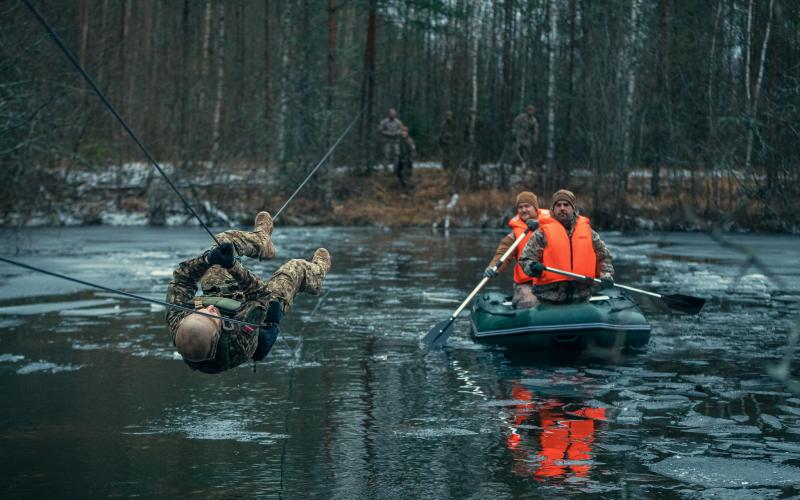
x=319, y=164
x=114, y=112
x=126, y=294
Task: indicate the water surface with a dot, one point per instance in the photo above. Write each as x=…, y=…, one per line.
x=96, y=403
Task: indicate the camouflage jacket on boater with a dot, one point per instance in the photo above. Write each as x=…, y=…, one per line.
x=247, y=302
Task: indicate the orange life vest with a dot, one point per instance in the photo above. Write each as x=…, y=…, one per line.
x=574, y=254
x=519, y=226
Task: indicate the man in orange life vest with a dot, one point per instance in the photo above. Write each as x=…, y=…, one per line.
x=567, y=242
x=527, y=209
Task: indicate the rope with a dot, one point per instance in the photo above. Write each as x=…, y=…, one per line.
x=126, y=294
x=319, y=164
x=114, y=112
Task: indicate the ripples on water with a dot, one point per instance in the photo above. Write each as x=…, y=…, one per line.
x=348, y=406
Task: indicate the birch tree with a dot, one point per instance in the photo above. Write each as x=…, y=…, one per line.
x=753, y=101
x=552, y=41
x=215, y=127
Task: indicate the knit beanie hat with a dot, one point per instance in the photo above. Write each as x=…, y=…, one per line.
x=529, y=198
x=563, y=195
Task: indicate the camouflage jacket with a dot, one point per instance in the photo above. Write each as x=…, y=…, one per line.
x=390, y=130
x=407, y=148
x=565, y=291
x=525, y=130
x=447, y=134
x=237, y=342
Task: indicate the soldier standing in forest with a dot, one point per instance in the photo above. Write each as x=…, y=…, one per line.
x=525, y=130
x=406, y=161
x=447, y=139
x=391, y=130
x=213, y=345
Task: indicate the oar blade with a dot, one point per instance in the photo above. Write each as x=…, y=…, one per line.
x=684, y=303
x=437, y=336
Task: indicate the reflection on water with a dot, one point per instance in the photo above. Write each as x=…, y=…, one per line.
x=350, y=407
x=546, y=440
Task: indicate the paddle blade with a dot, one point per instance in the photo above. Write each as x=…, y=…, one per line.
x=437, y=336
x=684, y=303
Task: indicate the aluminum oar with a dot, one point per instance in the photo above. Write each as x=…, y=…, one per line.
x=437, y=336
x=677, y=301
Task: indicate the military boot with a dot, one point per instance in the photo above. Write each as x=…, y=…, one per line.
x=263, y=225
x=264, y=222
x=323, y=259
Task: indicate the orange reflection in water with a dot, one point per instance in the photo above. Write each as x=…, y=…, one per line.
x=565, y=439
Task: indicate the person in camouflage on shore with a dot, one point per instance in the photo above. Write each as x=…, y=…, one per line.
x=391, y=131
x=447, y=142
x=213, y=345
x=532, y=260
x=406, y=162
x=525, y=130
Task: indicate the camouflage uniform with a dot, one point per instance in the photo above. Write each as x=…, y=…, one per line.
x=237, y=342
x=391, y=131
x=526, y=135
x=406, y=161
x=565, y=292
x=447, y=143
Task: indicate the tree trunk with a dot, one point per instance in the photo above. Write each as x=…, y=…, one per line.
x=368, y=86
x=659, y=100
x=267, y=85
x=505, y=90
x=83, y=22
x=473, y=160
x=182, y=88
x=630, y=58
x=215, y=127
x=283, y=106
x=205, y=55
x=753, y=111
x=331, y=68
x=552, y=41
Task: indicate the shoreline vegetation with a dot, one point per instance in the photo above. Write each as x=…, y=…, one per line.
x=348, y=196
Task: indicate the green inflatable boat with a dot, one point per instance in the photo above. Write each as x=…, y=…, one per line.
x=609, y=320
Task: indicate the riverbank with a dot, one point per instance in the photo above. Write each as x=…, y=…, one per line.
x=132, y=195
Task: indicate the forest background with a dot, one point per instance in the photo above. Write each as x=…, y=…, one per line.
x=665, y=114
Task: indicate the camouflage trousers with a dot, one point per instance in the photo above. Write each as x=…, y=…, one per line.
x=296, y=275
x=253, y=244
x=391, y=151
x=563, y=292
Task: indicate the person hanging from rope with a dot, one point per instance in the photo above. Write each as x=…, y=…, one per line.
x=231, y=291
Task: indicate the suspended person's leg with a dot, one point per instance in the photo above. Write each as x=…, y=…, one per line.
x=299, y=275
x=295, y=276
x=256, y=244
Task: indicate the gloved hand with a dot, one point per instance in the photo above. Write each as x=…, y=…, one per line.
x=606, y=282
x=222, y=255
x=489, y=272
x=267, y=335
x=536, y=269
x=532, y=224
x=274, y=312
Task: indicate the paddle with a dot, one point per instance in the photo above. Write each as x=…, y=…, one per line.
x=677, y=301
x=437, y=336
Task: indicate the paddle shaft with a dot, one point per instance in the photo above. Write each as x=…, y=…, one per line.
x=486, y=279
x=586, y=278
